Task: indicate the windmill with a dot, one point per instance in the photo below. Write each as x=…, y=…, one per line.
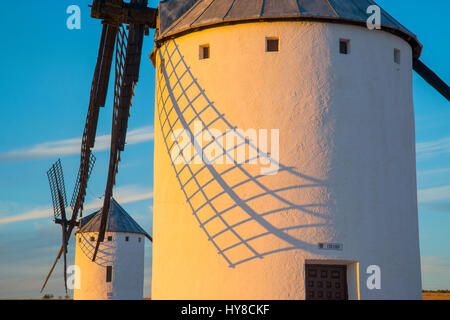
x=124, y=27
x=115, y=14
x=59, y=199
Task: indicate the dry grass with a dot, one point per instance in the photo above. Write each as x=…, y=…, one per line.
x=436, y=296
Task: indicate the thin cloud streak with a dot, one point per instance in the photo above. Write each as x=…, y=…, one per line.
x=433, y=194
x=124, y=195
x=30, y=215
x=73, y=146
x=433, y=148
x=434, y=171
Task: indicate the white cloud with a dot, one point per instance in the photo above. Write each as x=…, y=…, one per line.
x=433, y=148
x=433, y=194
x=38, y=213
x=73, y=146
x=124, y=195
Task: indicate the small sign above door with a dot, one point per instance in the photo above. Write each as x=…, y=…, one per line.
x=331, y=246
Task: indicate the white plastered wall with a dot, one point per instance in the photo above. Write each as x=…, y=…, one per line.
x=126, y=258
x=346, y=126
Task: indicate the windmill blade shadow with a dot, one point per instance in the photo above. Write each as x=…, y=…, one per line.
x=181, y=105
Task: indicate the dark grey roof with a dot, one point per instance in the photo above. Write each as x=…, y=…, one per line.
x=118, y=221
x=179, y=16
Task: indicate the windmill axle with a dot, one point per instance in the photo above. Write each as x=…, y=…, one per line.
x=67, y=223
x=120, y=12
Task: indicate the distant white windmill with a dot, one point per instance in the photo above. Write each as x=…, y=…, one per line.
x=118, y=271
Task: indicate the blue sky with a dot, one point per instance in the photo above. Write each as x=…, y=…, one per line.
x=45, y=79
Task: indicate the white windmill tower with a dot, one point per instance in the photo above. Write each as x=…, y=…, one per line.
x=338, y=100
x=118, y=271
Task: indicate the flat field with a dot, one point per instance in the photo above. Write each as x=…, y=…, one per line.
x=436, y=296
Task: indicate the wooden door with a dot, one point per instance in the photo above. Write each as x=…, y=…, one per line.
x=326, y=282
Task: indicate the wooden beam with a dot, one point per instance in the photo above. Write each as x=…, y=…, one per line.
x=432, y=78
x=122, y=12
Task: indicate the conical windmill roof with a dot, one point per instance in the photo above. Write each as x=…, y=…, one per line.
x=182, y=16
x=118, y=221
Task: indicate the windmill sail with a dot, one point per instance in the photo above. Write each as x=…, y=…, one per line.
x=432, y=78
x=58, y=192
x=97, y=99
x=127, y=75
x=57, y=188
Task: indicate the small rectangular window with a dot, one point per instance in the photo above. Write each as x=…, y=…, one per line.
x=127, y=238
x=162, y=65
x=140, y=239
x=344, y=46
x=397, y=56
x=92, y=239
x=110, y=238
x=109, y=274
x=272, y=44
x=204, y=51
